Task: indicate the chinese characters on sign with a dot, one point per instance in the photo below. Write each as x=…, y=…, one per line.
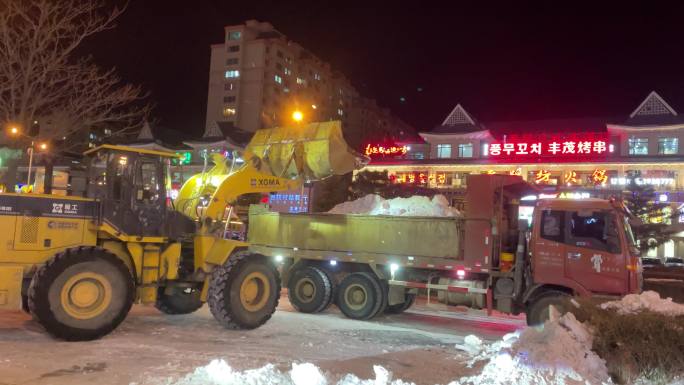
x=599, y=176
x=386, y=150
x=542, y=176
x=570, y=177
x=519, y=147
x=439, y=178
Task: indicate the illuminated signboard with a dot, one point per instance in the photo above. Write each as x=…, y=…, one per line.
x=559, y=147
x=186, y=158
x=411, y=177
x=385, y=150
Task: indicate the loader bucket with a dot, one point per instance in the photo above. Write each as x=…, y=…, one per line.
x=309, y=151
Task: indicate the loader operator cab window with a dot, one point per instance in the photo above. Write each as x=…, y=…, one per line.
x=148, y=183
x=595, y=230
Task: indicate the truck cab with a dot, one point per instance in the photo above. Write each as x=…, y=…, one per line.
x=585, y=245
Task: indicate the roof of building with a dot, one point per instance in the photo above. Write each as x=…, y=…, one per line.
x=653, y=111
x=459, y=121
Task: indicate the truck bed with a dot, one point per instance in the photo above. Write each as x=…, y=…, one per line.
x=437, y=237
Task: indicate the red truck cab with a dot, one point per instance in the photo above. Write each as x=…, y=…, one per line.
x=585, y=245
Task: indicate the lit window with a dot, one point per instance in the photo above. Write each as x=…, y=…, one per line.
x=233, y=74
x=668, y=146
x=340, y=112
x=234, y=35
x=638, y=146
x=317, y=76
x=229, y=86
x=465, y=150
x=287, y=71
x=229, y=111
x=234, y=48
x=232, y=61
x=485, y=149
x=444, y=151
x=107, y=131
x=278, y=79
x=301, y=81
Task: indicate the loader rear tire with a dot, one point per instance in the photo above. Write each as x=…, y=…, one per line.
x=81, y=294
x=360, y=296
x=309, y=290
x=244, y=292
x=182, y=301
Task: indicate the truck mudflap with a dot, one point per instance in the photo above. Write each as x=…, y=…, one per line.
x=11, y=278
x=448, y=288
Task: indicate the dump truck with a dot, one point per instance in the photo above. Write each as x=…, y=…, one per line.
x=78, y=263
x=487, y=258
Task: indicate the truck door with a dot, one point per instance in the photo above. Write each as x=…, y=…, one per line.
x=593, y=256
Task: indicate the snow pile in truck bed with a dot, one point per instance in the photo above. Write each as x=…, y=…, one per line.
x=559, y=353
x=648, y=300
x=414, y=206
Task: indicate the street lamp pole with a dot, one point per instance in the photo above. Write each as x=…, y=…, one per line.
x=30, y=165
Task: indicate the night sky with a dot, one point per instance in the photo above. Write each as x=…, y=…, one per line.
x=501, y=62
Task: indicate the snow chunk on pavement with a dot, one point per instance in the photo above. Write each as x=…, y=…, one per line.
x=560, y=353
x=648, y=300
x=218, y=372
x=373, y=204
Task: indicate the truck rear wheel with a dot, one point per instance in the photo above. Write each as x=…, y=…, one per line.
x=401, y=307
x=539, y=311
x=181, y=301
x=309, y=290
x=244, y=292
x=360, y=296
x=81, y=294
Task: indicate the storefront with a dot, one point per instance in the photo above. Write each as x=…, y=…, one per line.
x=566, y=158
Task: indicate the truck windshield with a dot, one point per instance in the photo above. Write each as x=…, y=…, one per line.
x=628, y=232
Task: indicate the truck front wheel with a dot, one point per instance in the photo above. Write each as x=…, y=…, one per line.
x=244, y=292
x=539, y=310
x=309, y=290
x=360, y=296
x=81, y=294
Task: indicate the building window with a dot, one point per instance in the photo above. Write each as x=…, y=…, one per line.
x=107, y=131
x=317, y=77
x=279, y=66
x=465, y=150
x=234, y=35
x=301, y=81
x=444, y=151
x=229, y=99
x=668, y=146
x=287, y=71
x=232, y=74
x=229, y=111
x=340, y=112
x=234, y=48
x=638, y=146
x=232, y=61
x=278, y=79
x=280, y=54
x=229, y=86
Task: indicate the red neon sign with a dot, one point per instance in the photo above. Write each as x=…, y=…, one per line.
x=382, y=150
x=560, y=147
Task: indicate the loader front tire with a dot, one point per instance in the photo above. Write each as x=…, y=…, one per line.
x=180, y=301
x=81, y=294
x=309, y=290
x=244, y=292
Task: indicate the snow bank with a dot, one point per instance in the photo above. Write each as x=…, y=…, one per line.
x=218, y=372
x=648, y=300
x=560, y=353
x=373, y=204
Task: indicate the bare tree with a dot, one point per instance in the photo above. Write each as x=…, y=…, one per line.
x=42, y=79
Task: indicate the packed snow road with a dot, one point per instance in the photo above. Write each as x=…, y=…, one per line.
x=152, y=348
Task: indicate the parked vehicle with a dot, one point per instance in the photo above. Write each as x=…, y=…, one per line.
x=649, y=263
x=674, y=262
x=370, y=264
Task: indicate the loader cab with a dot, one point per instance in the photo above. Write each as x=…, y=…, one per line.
x=131, y=186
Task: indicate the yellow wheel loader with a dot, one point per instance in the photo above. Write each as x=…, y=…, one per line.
x=77, y=264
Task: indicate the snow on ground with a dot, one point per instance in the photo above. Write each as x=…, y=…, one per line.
x=373, y=204
x=648, y=300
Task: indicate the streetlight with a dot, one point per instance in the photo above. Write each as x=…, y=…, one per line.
x=297, y=116
x=41, y=146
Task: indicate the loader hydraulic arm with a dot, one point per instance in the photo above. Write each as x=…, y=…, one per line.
x=275, y=159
